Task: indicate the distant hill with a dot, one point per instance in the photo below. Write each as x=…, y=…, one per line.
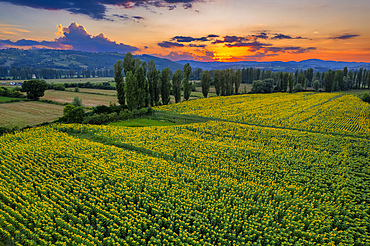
x=291, y=66
x=77, y=60
x=69, y=59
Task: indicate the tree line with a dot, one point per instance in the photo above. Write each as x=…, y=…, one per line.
x=49, y=73
x=140, y=84
x=227, y=81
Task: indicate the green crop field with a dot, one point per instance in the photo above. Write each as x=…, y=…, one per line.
x=141, y=122
x=271, y=169
x=9, y=99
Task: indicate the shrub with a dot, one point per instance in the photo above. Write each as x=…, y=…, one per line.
x=72, y=114
x=77, y=102
x=258, y=86
x=298, y=87
x=366, y=97
x=316, y=85
x=59, y=87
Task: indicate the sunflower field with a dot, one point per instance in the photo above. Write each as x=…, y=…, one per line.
x=318, y=112
x=218, y=182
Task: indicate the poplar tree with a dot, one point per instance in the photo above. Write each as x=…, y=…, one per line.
x=141, y=87
x=118, y=78
x=131, y=91
x=185, y=81
x=291, y=82
x=238, y=80
x=153, y=77
x=206, y=82
x=176, y=85
x=223, y=82
x=217, y=81
x=165, y=86
x=129, y=63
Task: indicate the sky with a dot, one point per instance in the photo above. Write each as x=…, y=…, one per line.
x=200, y=30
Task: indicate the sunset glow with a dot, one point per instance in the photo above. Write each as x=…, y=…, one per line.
x=207, y=30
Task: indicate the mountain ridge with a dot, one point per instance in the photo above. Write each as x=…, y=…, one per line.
x=78, y=60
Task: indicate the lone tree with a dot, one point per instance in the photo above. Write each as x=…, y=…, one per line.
x=34, y=88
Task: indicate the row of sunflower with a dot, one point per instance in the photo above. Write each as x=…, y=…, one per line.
x=322, y=112
x=226, y=184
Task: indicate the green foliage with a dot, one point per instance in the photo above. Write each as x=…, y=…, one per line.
x=153, y=79
x=366, y=97
x=269, y=85
x=14, y=93
x=185, y=81
x=291, y=82
x=238, y=80
x=131, y=91
x=176, y=85
x=223, y=83
x=104, y=118
x=258, y=86
x=205, y=82
x=118, y=78
x=298, y=88
x=129, y=63
x=34, y=88
x=165, y=86
x=102, y=109
x=316, y=85
x=77, y=102
x=217, y=82
x=72, y=114
x=229, y=81
x=142, y=122
x=329, y=81
x=4, y=130
x=284, y=81
x=58, y=87
x=141, y=87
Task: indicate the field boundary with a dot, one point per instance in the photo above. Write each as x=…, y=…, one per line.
x=311, y=107
x=199, y=119
x=106, y=141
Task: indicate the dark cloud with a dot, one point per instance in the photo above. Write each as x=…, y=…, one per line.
x=74, y=37
x=197, y=45
x=96, y=9
x=187, y=5
x=238, y=41
x=283, y=36
x=186, y=39
x=127, y=17
x=261, y=35
x=345, y=36
x=167, y=44
x=213, y=36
